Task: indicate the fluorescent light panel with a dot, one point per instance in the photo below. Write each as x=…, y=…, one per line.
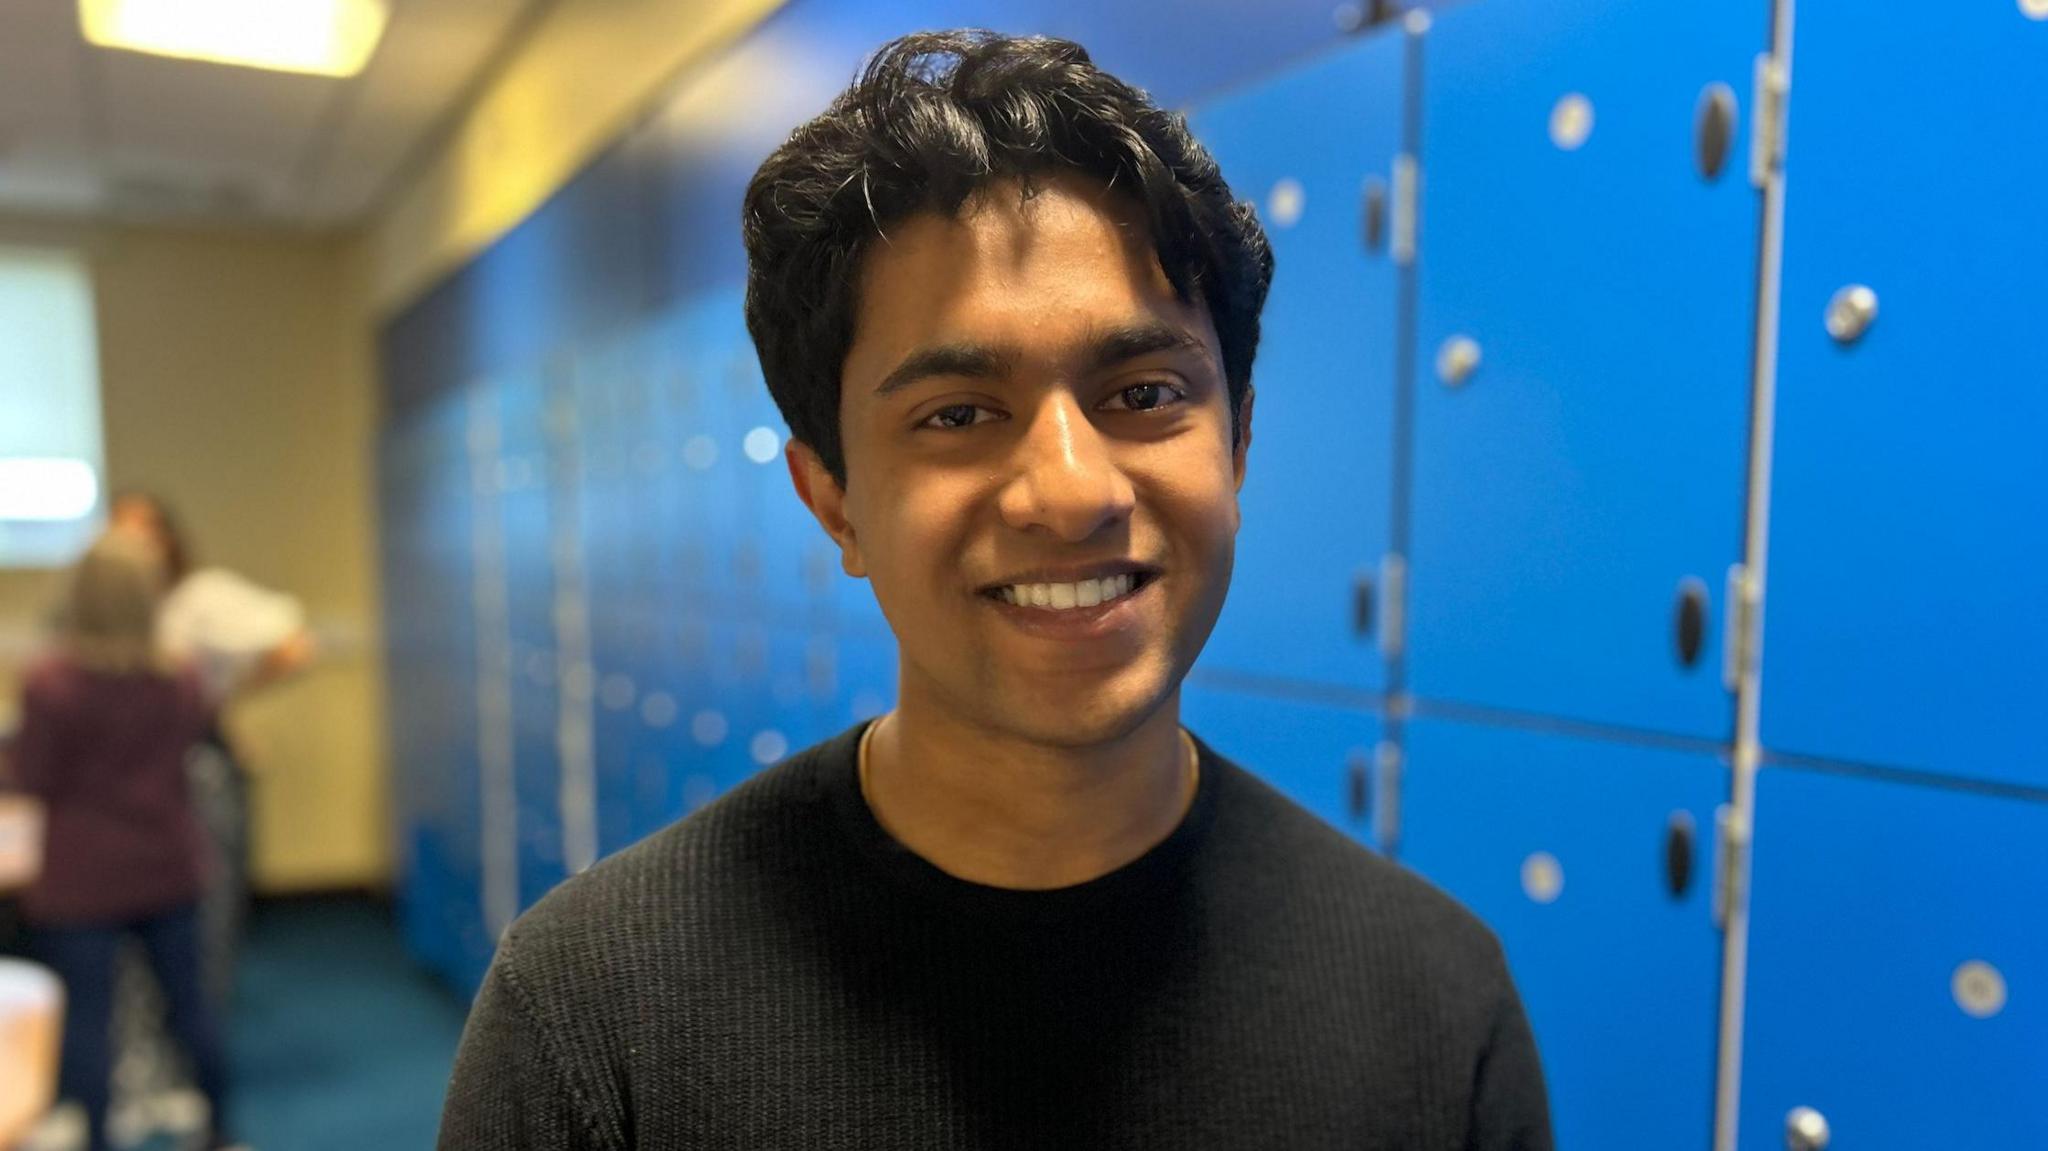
x=322, y=37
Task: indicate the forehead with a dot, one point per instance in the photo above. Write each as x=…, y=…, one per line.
x=1031, y=273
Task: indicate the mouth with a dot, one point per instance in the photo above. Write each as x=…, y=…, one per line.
x=1072, y=599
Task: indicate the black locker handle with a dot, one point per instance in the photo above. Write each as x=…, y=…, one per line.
x=1358, y=781
x=1689, y=620
x=1679, y=838
x=1361, y=604
x=1372, y=219
x=1713, y=129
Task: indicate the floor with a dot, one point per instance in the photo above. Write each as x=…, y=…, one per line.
x=339, y=1042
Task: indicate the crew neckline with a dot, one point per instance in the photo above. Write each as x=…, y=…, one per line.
x=1146, y=878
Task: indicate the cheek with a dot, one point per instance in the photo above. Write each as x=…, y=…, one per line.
x=912, y=527
x=1198, y=497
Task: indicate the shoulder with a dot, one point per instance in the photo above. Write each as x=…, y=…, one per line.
x=632, y=916
x=48, y=678
x=1353, y=896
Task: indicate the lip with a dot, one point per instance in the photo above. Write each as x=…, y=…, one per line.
x=1072, y=573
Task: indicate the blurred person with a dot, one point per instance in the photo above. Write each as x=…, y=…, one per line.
x=1008, y=308
x=107, y=720
x=239, y=638
x=238, y=635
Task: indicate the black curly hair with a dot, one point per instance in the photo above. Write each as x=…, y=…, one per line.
x=934, y=118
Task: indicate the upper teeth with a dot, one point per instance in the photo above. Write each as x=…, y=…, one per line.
x=1061, y=596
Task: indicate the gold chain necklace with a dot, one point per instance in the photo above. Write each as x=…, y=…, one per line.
x=1194, y=759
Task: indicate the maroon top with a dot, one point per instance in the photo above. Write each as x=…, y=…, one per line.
x=106, y=753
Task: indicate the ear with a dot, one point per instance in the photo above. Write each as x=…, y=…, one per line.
x=1244, y=438
x=827, y=500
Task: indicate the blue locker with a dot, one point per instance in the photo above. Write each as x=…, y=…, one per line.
x=1898, y=948
x=1584, y=317
x=734, y=670
x=591, y=431
x=865, y=677
x=1317, y=499
x=1592, y=861
x=774, y=532
x=703, y=496
x=677, y=777
x=675, y=507
x=1323, y=756
x=1909, y=504
x=423, y=482
x=524, y=504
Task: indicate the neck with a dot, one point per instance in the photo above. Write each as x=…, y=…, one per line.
x=1001, y=810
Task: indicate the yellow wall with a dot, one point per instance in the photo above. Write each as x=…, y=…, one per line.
x=572, y=87
x=238, y=381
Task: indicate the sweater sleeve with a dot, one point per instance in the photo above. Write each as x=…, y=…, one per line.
x=1510, y=1106
x=511, y=1088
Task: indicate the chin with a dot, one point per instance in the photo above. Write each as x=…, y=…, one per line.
x=1083, y=715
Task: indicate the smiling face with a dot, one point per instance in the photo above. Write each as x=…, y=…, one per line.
x=1041, y=477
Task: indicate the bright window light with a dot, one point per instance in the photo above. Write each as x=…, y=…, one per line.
x=47, y=491
x=50, y=446
x=323, y=37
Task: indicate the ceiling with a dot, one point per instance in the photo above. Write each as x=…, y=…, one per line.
x=105, y=134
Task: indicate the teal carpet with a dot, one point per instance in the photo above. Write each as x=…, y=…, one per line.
x=338, y=1041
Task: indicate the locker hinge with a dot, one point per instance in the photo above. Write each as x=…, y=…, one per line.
x=1740, y=639
x=1731, y=841
x=1386, y=807
x=1772, y=83
x=1406, y=178
x=1393, y=605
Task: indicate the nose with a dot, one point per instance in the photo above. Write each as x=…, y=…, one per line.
x=1065, y=478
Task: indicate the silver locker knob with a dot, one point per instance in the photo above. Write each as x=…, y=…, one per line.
x=1850, y=313
x=1806, y=1130
x=1456, y=360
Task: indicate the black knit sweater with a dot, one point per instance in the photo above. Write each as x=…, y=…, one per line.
x=777, y=972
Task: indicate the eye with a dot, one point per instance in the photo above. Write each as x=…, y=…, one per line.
x=1148, y=396
x=959, y=416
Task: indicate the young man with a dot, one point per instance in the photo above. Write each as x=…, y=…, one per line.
x=1009, y=310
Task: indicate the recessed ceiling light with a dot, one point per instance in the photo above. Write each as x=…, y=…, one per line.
x=323, y=37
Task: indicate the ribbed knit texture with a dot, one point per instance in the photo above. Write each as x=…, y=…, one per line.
x=777, y=972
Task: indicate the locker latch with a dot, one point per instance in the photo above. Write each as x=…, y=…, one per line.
x=1386, y=815
x=1767, y=131
x=1401, y=244
x=1731, y=842
x=1740, y=641
x=1393, y=604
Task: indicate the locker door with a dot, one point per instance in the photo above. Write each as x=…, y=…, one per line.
x=710, y=456
x=1319, y=754
x=768, y=577
x=1897, y=958
x=675, y=507
x=1583, y=360
x=598, y=430
x=523, y=503
x=1909, y=519
x=1592, y=861
x=683, y=780
x=865, y=678
x=445, y=615
x=1312, y=150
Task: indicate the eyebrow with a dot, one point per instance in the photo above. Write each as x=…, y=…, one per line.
x=1106, y=349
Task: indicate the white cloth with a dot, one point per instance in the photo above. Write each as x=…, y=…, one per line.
x=223, y=625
